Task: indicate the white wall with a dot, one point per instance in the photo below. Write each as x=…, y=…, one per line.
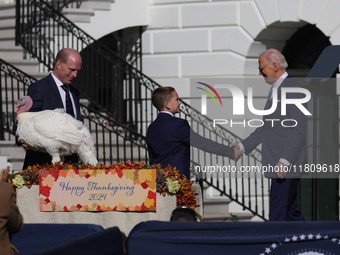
x=123, y=14
x=223, y=38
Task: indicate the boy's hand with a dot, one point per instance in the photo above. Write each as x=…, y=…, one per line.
x=237, y=153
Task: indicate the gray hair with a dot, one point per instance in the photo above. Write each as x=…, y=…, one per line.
x=274, y=55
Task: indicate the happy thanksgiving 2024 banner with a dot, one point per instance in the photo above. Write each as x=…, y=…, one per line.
x=97, y=190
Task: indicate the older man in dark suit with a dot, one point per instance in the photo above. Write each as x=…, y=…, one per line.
x=56, y=91
x=169, y=138
x=11, y=220
x=282, y=147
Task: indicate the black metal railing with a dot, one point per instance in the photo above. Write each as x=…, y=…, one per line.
x=123, y=93
x=250, y=189
x=114, y=142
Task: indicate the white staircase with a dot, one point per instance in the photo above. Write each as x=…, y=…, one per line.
x=217, y=208
x=86, y=10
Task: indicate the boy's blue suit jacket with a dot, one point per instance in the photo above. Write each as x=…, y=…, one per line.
x=169, y=140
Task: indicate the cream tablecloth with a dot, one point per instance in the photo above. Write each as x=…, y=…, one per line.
x=28, y=203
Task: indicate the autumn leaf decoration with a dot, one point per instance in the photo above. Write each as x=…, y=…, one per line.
x=184, y=194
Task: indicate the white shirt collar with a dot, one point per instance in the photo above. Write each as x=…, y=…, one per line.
x=280, y=80
x=56, y=80
x=167, y=113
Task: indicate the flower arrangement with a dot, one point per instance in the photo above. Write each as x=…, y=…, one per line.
x=168, y=180
x=27, y=178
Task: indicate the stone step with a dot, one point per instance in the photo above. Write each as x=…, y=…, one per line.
x=96, y=5
x=8, y=8
x=261, y=206
x=25, y=65
x=11, y=52
x=7, y=19
x=78, y=15
x=8, y=42
x=7, y=13
x=216, y=205
x=34, y=74
x=242, y=216
x=86, y=10
x=7, y=31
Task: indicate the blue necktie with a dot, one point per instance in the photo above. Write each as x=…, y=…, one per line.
x=269, y=101
x=69, y=107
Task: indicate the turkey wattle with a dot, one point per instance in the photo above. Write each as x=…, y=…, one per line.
x=54, y=132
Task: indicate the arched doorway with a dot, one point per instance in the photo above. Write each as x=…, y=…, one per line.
x=117, y=90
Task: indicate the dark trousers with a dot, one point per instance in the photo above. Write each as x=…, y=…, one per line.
x=283, y=197
x=36, y=157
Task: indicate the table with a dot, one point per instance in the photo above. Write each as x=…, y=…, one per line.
x=28, y=203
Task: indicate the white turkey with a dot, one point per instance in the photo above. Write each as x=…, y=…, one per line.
x=54, y=132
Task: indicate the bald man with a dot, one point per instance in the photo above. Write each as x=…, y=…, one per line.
x=56, y=91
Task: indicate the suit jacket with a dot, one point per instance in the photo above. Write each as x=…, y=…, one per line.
x=11, y=220
x=46, y=96
x=281, y=142
x=169, y=140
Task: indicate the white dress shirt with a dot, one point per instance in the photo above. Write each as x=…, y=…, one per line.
x=63, y=94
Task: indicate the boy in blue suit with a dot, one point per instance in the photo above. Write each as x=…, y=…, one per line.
x=169, y=138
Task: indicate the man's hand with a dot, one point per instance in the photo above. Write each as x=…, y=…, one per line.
x=235, y=145
x=4, y=174
x=282, y=170
x=237, y=154
x=23, y=144
x=237, y=151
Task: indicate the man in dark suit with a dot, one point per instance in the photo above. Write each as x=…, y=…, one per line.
x=169, y=138
x=11, y=220
x=56, y=91
x=282, y=147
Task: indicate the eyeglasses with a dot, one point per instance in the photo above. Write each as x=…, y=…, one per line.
x=261, y=68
